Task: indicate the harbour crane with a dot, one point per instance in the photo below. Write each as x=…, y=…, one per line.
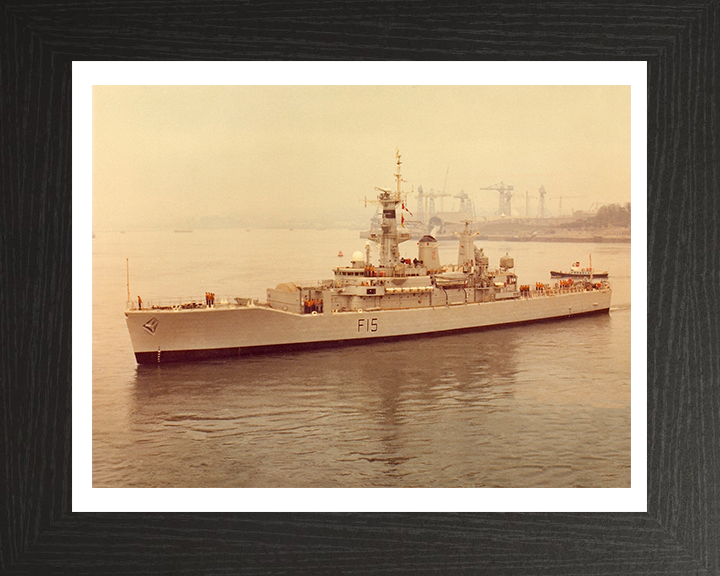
x=426, y=202
x=542, y=212
x=504, y=196
x=466, y=205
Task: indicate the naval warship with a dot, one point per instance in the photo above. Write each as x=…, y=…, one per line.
x=364, y=301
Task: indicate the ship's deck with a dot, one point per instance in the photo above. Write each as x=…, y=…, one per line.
x=180, y=304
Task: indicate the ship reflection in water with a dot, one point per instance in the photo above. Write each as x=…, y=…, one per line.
x=457, y=410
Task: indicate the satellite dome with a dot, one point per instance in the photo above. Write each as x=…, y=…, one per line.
x=358, y=260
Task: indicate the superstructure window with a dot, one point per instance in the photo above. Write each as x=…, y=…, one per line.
x=389, y=213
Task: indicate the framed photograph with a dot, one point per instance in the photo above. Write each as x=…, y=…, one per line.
x=130, y=478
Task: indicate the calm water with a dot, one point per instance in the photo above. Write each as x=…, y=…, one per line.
x=544, y=405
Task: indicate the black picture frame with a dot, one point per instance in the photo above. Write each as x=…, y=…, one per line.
x=681, y=530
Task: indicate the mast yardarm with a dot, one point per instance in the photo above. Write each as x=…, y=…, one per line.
x=389, y=236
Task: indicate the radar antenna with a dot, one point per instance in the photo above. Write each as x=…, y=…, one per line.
x=389, y=236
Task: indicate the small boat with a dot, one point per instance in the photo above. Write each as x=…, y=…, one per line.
x=577, y=272
x=340, y=254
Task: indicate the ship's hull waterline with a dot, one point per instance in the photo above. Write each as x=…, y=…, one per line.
x=160, y=336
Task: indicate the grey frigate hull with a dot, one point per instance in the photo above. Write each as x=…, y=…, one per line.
x=363, y=303
x=160, y=336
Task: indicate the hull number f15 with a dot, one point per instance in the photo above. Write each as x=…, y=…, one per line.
x=365, y=325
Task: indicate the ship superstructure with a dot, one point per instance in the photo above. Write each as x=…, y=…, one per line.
x=399, y=297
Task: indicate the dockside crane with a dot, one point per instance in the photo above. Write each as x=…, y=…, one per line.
x=542, y=212
x=426, y=203
x=466, y=205
x=504, y=196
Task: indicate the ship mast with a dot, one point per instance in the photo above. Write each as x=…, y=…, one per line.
x=389, y=236
x=398, y=176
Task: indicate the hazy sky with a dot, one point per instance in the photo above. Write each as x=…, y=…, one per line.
x=277, y=154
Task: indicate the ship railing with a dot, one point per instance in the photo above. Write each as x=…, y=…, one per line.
x=190, y=302
x=314, y=284
x=164, y=303
x=552, y=291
